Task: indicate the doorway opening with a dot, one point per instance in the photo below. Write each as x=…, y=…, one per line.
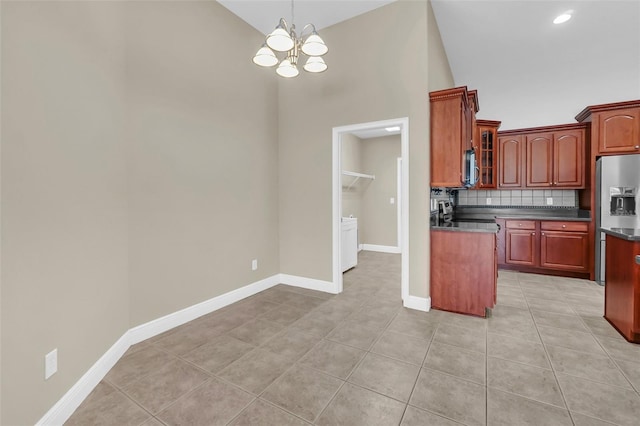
x=372, y=129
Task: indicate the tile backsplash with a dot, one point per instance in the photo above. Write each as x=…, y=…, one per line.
x=518, y=197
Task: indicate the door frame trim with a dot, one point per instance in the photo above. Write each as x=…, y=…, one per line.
x=403, y=122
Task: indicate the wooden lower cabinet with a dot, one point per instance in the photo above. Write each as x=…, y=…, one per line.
x=521, y=242
x=564, y=250
x=541, y=246
x=622, y=288
x=463, y=271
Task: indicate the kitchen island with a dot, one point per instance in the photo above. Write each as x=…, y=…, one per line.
x=622, y=277
x=464, y=267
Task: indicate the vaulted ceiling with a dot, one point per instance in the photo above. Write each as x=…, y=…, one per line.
x=528, y=71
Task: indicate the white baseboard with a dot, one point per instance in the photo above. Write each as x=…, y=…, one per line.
x=167, y=322
x=417, y=303
x=308, y=283
x=65, y=407
x=381, y=249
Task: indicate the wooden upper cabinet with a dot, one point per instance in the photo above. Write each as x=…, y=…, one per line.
x=450, y=135
x=619, y=131
x=539, y=157
x=474, y=107
x=553, y=157
x=615, y=128
x=568, y=158
x=510, y=161
x=486, y=146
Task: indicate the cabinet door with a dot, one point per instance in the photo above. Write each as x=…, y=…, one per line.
x=486, y=138
x=448, y=133
x=510, y=161
x=469, y=125
x=618, y=130
x=539, y=160
x=520, y=247
x=564, y=250
x=568, y=159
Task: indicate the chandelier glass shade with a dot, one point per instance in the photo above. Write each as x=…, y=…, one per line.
x=284, y=39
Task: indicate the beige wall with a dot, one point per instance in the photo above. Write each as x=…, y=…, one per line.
x=440, y=76
x=139, y=177
x=64, y=226
x=366, y=199
x=143, y=168
x=203, y=152
x=381, y=73
x=351, y=192
x=379, y=218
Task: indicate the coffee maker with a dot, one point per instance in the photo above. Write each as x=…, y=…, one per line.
x=445, y=212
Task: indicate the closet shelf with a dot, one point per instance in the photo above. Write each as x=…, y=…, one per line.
x=357, y=176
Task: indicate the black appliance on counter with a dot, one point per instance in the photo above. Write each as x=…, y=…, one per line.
x=444, y=213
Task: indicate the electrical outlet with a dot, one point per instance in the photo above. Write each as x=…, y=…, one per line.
x=392, y=200
x=254, y=264
x=50, y=364
x=549, y=201
x=488, y=201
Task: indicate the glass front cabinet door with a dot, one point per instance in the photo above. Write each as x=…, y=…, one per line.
x=486, y=151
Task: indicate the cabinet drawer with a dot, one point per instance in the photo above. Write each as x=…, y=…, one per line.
x=564, y=226
x=521, y=224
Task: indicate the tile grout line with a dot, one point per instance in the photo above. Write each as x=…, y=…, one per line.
x=555, y=375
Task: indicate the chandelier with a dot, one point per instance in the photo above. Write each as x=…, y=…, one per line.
x=284, y=39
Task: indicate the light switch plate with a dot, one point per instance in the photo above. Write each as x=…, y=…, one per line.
x=254, y=264
x=549, y=201
x=488, y=201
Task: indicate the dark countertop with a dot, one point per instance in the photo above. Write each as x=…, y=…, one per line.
x=544, y=213
x=485, y=227
x=629, y=234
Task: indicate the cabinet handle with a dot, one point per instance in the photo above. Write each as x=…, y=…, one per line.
x=542, y=233
x=637, y=147
x=533, y=233
x=564, y=226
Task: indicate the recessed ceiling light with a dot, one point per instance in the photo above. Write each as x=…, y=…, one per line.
x=563, y=17
x=392, y=129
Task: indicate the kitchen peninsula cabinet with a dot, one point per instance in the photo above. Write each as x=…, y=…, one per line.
x=622, y=289
x=545, y=246
x=452, y=117
x=615, y=128
x=464, y=269
x=485, y=143
x=543, y=157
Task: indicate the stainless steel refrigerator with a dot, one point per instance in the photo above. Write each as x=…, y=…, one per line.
x=617, y=183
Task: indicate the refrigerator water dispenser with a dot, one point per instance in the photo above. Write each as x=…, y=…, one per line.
x=622, y=201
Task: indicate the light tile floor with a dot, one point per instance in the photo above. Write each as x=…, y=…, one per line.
x=289, y=356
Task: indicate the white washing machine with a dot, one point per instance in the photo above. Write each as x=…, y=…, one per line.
x=349, y=242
